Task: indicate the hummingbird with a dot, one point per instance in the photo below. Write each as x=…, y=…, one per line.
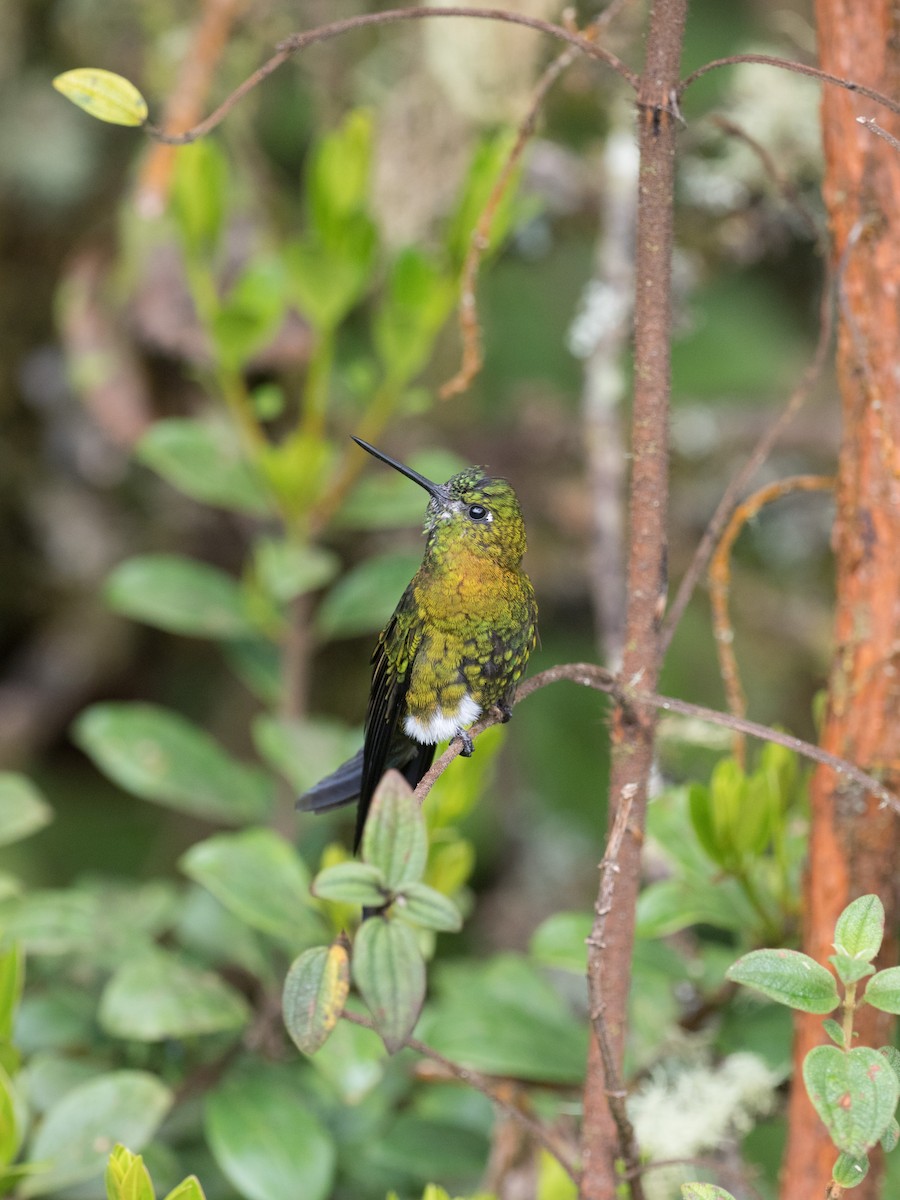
x=456, y=645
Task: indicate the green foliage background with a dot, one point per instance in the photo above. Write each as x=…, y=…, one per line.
x=179, y=492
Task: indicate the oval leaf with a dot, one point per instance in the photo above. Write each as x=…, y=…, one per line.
x=288, y=570
x=78, y=1132
x=258, y=876
x=178, y=595
x=363, y=600
x=315, y=992
x=883, y=990
x=860, y=928
x=854, y=1092
x=188, y=1189
x=158, y=755
x=389, y=973
x=104, y=95
x=157, y=996
x=849, y=1171
x=422, y=905
x=267, y=1139
x=394, y=838
x=204, y=461
x=704, y=1191
x=789, y=977
x=23, y=810
x=351, y=883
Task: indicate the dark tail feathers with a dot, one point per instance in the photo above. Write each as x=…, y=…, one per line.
x=340, y=787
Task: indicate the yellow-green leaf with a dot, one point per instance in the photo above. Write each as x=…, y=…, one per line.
x=104, y=95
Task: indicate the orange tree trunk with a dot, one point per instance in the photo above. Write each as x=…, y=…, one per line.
x=854, y=843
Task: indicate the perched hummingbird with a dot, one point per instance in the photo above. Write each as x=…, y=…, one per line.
x=457, y=643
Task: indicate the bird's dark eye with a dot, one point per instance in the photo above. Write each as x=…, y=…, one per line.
x=477, y=512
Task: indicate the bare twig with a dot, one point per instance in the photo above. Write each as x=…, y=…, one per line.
x=787, y=64
x=720, y=582
x=592, y=676
x=483, y=1084
x=873, y=126
x=783, y=183
x=616, y=1094
x=472, y=357
x=299, y=41
x=760, y=453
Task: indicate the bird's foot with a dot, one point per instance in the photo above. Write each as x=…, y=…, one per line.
x=467, y=745
x=505, y=712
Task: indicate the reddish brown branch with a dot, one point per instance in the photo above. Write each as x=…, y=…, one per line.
x=299, y=41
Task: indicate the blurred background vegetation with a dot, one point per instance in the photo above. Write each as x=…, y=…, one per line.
x=101, y=338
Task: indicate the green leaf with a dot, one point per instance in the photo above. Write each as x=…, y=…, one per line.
x=351, y=883
x=422, y=905
x=849, y=1171
x=188, y=1189
x=860, y=928
x=158, y=755
x=489, y=160
x=266, y=1139
x=389, y=974
x=850, y=970
x=75, y=1136
x=10, y=1122
x=385, y=500
x=199, y=195
x=363, y=600
x=328, y=279
x=892, y=1054
x=891, y=1137
x=835, y=1031
x=788, y=977
x=855, y=1092
x=674, y=904
x=12, y=981
x=394, y=838
x=206, y=462
x=883, y=990
x=417, y=303
x=315, y=992
x=23, y=810
x=178, y=595
x=250, y=314
x=338, y=177
x=158, y=996
x=257, y=663
x=504, y=1018
x=127, y=1178
x=104, y=95
x=704, y=1191
x=52, y=921
x=304, y=751
x=559, y=941
x=258, y=876
x=287, y=569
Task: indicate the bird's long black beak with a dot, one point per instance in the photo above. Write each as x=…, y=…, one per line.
x=433, y=489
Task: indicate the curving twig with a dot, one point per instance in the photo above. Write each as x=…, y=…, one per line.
x=788, y=64
x=323, y=33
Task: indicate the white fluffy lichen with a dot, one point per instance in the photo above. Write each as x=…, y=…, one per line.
x=690, y=1109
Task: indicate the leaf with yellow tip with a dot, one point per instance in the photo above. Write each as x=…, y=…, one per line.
x=103, y=94
x=315, y=992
